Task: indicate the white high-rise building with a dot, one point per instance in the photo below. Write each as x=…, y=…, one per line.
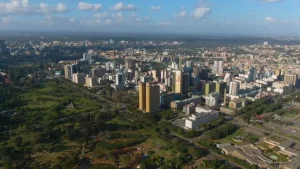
x=111, y=41
x=228, y=78
x=234, y=88
x=218, y=67
x=88, y=57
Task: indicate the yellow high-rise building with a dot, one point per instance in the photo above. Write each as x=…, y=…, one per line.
x=149, y=97
x=142, y=96
x=291, y=79
x=277, y=72
x=177, y=81
x=152, y=98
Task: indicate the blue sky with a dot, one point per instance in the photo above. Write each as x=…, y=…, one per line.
x=244, y=17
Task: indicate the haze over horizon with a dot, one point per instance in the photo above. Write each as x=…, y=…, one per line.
x=231, y=17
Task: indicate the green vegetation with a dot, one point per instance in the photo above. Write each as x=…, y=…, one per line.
x=220, y=164
x=221, y=131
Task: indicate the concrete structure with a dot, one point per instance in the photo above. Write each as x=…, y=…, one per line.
x=238, y=103
x=212, y=99
x=166, y=99
x=70, y=70
x=111, y=41
x=189, y=109
x=98, y=72
x=252, y=74
x=234, y=88
x=120, y=79
x=201, y=116
x=291, y=79
x=178, y=104
x=218, y=68
x=129, y=63
x=281, y=87
x=177, y=82
x=91, y=81
x=79, y=78
x=228, y=78
x=145, y=79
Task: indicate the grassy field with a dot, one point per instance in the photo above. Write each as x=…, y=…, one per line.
x=51, y=100
x=229, y=139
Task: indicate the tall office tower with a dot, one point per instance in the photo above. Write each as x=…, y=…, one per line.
x=112, y=65
x=180, y=63
x=142, y=96
x=220, y=87
x=209, y=88
x=98, y=72
x=189, y=64
x=216, y=66
x=2, y=46
x=120, y=79
x=111, y=41
x=79, y=78
x=277, y=72
x=129, y=63
x=185, y=83
x=234, y=88
x=88, y=57
x=220, y=68
x=291, y=79
x=174, y=65
x=70, y=70
x=177, y=81
x=145, y=79
x=252, y=74
x=107, y=66
x=91, y=81
x=152, y=98
x=228, y=78
x=156, y=75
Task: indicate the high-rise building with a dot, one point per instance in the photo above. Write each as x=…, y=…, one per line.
x=142, y=96
x=79, y=78
x=129, y=63
x=145, y=79
x=88, y=57
x=277, y=72
x=177, y=81
x=185, y=83
x=98, y=72
x=152, y=98
x=234, y=88
x=149, y=97
x=2, y=46
x=218, y=68
x=252, y=74
x=209, y=87
x=111, y=41
x=291, y=79
x=70, y=70
x=228, y=78
x=220, y=87
x=120, y=79
x=91, y=81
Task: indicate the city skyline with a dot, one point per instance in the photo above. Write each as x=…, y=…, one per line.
x=247, y=17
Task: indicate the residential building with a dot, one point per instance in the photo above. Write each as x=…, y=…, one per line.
x=91, y=81
x=234, y=88
x=79, y=78
x=291, y=79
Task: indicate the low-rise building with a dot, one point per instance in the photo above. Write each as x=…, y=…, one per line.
x=201, y=116
x=238, y=103
x=178, y=104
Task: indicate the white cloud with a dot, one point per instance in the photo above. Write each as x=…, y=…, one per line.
x=182, y=13
x=117, y=15
x=101, y=15
x=201, y=12
x=5, y=20
x=122, y=7
x=270, y=19
x=155, y=8
x=83, y=6
x=164, y=23
x=24, y=7
x=57, y=20
x=108, y=21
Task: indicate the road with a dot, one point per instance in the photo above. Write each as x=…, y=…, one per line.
x=241, y=123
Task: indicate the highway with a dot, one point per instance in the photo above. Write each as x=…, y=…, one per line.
x=241, y=123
